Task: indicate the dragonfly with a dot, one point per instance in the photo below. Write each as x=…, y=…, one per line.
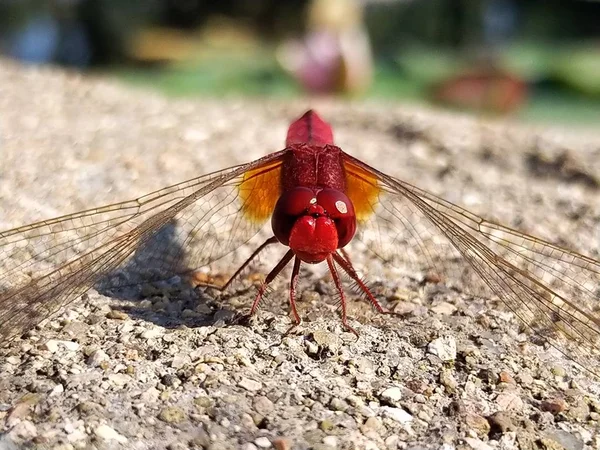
x=319, y=201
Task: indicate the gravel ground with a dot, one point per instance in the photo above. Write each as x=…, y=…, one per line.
x=452, y=373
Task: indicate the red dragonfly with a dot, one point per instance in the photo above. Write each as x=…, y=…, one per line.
x=318, y=198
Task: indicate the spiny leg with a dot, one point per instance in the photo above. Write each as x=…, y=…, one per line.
x=338, y=285
x=271, y=240
x=270, y=277
x=293, y=283
x=347, y=266
x=345, y=255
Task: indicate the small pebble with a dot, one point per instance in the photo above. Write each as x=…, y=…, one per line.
x=119, y=379
x=152, y=333
x=444, y=308
x=117, y=315
x=51, y=345
x=392, y=441
x=391, y=396
x=397, y=414
x=558, y=371
x=505, y=377
x=554, y=406
x=337, y=404
x=448, y=381
x=203, y=402
x=109, y=434
x=96, y=358
x=477, y=444
x=250, y=385
x=355, y=400
x=57, y=390
x=150, y=395
x=172, y=414
x=180, y=360
x=89, y=408
x=365, y=411
x=509, y=402
x=262, y=405
x=525, y=379
x=282, y=443
x=262, y=442
x=14, y=360
x=331, y=441
x=326, y=425
x=327, y=341
x=501, y=421
x=443, y=347
x=477, y=423
x=372, y=423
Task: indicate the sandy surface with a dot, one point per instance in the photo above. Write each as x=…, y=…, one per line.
x=451, y=373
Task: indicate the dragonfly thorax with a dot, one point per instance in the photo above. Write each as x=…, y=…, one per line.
x=314, y=222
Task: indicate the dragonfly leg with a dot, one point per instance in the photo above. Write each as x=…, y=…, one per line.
x=345, y=264
x=271, y=240
x=338, y=285
x=270, y=277
x=346, y=256
x=293, y=283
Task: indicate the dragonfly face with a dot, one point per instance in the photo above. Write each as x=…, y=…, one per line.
x=314, y=222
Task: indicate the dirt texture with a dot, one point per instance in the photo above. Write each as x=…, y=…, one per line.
x=171, y=370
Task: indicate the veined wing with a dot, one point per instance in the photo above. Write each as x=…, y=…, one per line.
x=552, y=290
x=46, y=265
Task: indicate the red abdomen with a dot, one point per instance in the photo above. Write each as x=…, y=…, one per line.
x=309, y=129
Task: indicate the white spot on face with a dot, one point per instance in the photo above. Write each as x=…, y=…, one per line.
x=341, y=206
x=313, y=200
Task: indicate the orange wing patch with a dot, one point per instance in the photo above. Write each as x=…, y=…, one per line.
x=259, y=191
x=362, y=187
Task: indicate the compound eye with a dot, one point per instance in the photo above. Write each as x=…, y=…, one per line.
x=295, y=201
x=336, y=204
x=291, y=205
x=339, y=208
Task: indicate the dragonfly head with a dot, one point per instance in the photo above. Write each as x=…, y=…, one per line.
x=314, y=222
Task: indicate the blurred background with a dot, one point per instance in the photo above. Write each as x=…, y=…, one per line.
x=537, y=60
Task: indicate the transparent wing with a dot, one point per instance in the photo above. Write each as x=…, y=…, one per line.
x=552, y=290
x=46, y=265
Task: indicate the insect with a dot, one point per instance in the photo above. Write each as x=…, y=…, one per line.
x=318, y=199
